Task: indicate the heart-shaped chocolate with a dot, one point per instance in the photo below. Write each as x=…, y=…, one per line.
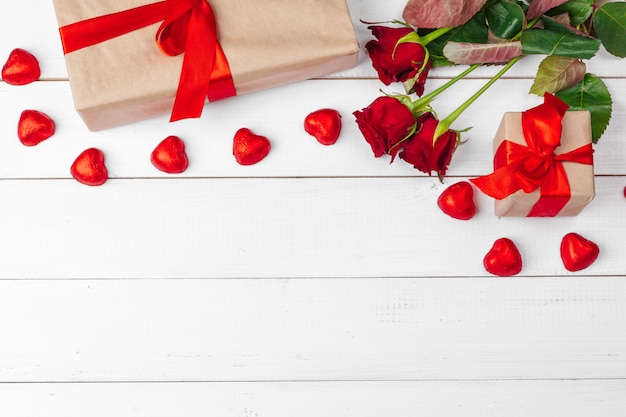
x=578, y=252
x=34, y=127
x=21, y=68
x=169, y=156
x=324, y=125
x=250, y=148
x=457, y=201
x=503, y=259
x=89, y=167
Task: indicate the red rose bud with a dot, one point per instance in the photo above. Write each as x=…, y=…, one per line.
x=169, y=156
x=457, y=201
x=34, y=127
x=249, y=148
x=89, y=168
x=405, y=62
x=384, y=124
x=422, y=154
x=21, y=68
x=324, y=125
x=577, y=252
x=503, y=259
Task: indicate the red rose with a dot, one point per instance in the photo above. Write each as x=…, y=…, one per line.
x=420, y=151
x=405, y=62
x=384, y=124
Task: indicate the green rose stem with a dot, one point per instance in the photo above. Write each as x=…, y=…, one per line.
x=418, y=106
x=444, y=125
x=423, y=101
x=428, y=38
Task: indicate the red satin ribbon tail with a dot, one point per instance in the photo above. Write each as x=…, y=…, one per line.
x=222, y=83
x=555, y=190
x=555, y=193
x=499, y=184
x=205, y=70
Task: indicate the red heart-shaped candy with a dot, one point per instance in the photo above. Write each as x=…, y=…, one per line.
x=503, y=258
x=457, y=201
x=169, y=156
x=34, y=127
x=89, y=167
x=324, y=125
x=577, y=252
x=21, y=68
x=249, y=148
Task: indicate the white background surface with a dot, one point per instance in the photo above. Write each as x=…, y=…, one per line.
x=319, y=282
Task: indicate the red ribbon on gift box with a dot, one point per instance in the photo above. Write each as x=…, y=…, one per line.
x=188, y=26
x=519, y=167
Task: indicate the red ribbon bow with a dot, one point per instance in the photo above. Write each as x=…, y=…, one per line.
x=188, y=26
x=519, y=167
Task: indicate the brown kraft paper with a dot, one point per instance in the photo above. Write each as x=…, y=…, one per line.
x=267, y=44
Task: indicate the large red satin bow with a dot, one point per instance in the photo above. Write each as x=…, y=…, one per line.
x=188, y=26
x=519, y=167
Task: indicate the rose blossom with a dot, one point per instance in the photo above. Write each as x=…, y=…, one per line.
x=420, y=151
x=384, y=124
x=398, y=62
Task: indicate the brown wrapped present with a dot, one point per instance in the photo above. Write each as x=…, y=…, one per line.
x=128, y=77
x=543, y=166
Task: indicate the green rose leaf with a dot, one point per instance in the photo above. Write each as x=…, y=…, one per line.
x=579, y=10
x=546, y=42
x=506, y=19
x=475, y=30
x=610, y=25
x=591, y=94
x=556, y=73
x=539, y=7
x=553, y=25
x=481, y=53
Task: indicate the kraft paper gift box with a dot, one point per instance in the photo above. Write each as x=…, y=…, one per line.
x=266, y=44
x=576, y=133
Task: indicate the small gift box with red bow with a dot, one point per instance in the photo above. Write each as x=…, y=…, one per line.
x=543, y=163
x=204, y=49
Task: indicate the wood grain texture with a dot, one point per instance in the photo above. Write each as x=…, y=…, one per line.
x=346, y=399
x=320, y=282
x=329, y=227
x=305, y=329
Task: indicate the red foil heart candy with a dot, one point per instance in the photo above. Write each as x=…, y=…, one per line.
x=89, y=167
x=578, y=252
x=324, y=125
x=169, y=156
x=34, y=127
x=503, y=259
x=21, y=68
x=250, y=148
x=457, y=201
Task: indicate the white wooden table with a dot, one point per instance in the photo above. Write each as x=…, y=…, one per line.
x=319, y=282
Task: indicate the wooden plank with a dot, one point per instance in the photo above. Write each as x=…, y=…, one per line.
x=346, y=227
x=351, y=399
x=277, y=114
x=391, y=329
